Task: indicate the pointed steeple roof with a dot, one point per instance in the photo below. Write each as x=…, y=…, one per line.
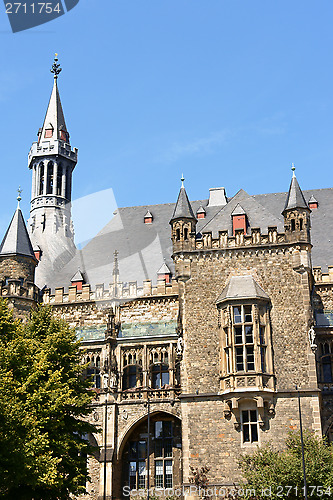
x=183, y=209
x=295, y=198
x=16, y=240
x=54, y=118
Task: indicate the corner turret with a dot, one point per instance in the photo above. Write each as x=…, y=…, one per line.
x=17, y=267
x=296, y=214
x=183, y=223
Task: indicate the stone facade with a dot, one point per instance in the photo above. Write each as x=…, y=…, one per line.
x=216, y=351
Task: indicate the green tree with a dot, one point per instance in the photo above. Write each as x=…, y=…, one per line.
x=44, y=404
x=279, y=474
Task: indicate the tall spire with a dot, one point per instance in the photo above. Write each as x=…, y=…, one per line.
x=295, y=198
x=183, y=209
x=54, y=126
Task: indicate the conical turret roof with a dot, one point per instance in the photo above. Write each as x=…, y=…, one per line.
x=16, y=239
x=295, y=198
x=183, y=209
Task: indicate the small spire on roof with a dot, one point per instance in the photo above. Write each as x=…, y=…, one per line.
x=182, y=179
x=19, y=196
x=56, y=69
x=295, y=198
x=183, y=207
x=115, y=271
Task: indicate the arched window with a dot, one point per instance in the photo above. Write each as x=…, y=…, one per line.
x=185, y=233
x=59, y=180
x=293, y=225
x=164, y=454
x=41, y=177
x=49, y=185
x=159, y=375
x=132, y=377
x=177, y=234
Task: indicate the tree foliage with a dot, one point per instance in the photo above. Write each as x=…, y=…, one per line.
x=44, y=403
x=279, y=474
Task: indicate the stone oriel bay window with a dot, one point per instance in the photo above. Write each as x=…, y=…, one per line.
x=246, y=361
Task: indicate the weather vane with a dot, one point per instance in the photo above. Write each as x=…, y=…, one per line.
x=19, y=196
x=182, y=179
x=293, y=169
x=56, y=69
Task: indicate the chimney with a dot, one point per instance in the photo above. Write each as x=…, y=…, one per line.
x=217, y=197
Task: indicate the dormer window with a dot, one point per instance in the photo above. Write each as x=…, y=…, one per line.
x=48, y=133
x=148, y=218
x=238, y=219
x=201, y=212
x=313, y=203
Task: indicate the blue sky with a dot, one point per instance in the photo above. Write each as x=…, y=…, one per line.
x=230, y=92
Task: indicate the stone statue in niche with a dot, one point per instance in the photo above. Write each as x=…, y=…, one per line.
x=180, y=346
x=312, y=338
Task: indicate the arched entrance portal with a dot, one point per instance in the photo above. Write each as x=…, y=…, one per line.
x=164, y=454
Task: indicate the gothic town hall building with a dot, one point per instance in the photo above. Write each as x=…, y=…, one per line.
x=208, y=313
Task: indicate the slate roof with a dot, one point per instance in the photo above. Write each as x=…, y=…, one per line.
x=321, y=221
x=16, y=240
x=142, y=247
x=238, y=210
x=242, y=287
x=295, y=198
x=54, y=117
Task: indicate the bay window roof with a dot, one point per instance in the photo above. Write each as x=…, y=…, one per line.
x=242, y=287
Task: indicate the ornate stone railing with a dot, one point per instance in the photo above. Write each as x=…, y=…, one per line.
x=153, y=394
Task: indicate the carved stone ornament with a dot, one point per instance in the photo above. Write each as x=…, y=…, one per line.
x=312, y=339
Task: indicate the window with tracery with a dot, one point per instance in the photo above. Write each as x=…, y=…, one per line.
x=164, y=454
x=159, y=368
x=132, y=377
x=93, y=370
